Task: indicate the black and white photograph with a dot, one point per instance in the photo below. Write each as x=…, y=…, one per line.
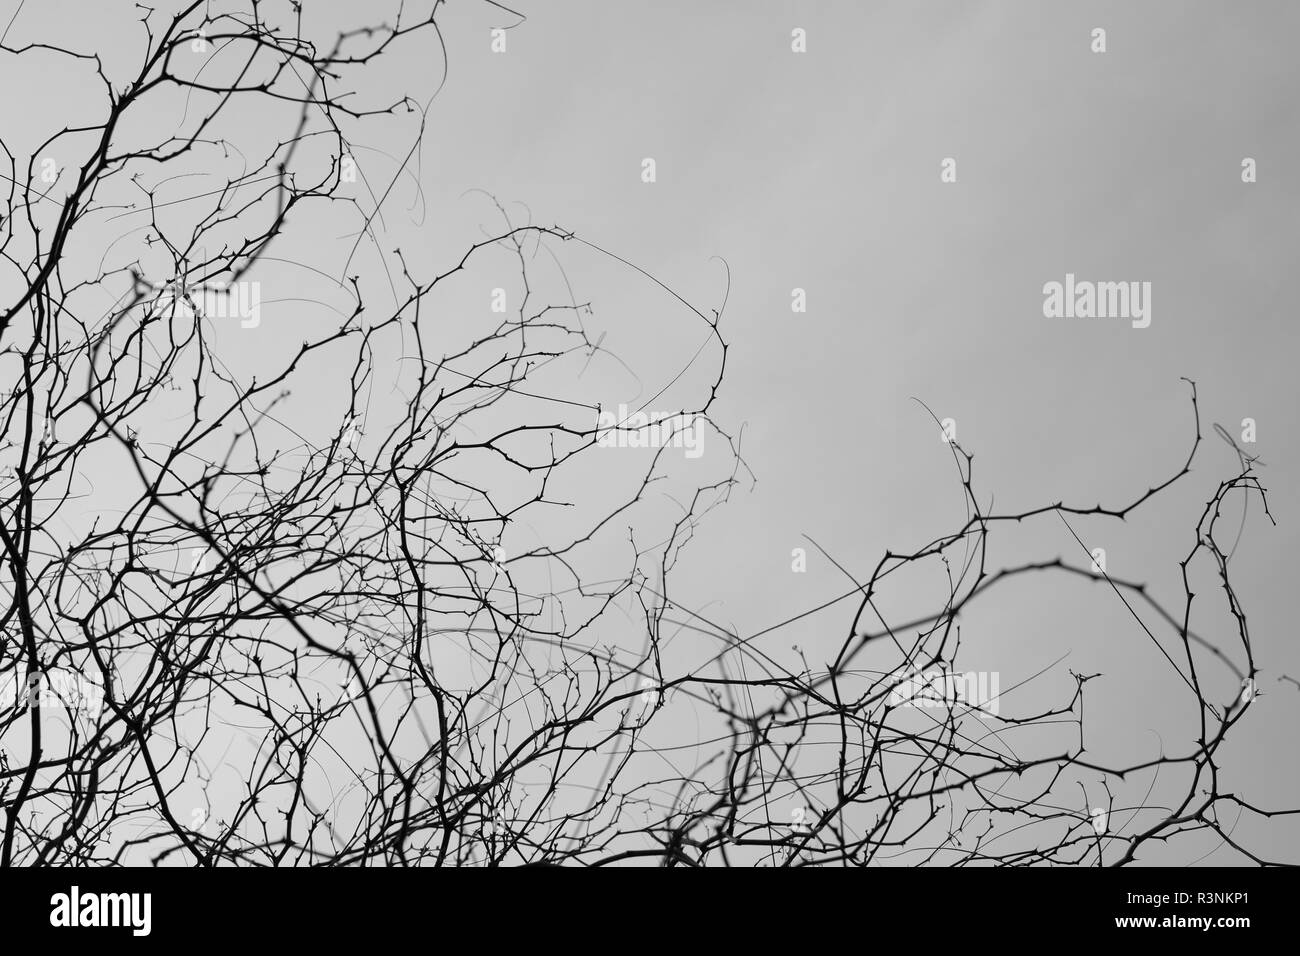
x=457, y=435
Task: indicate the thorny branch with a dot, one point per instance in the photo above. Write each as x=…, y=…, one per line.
x=272, y=615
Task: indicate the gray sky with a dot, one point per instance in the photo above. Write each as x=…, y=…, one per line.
x=821, y=171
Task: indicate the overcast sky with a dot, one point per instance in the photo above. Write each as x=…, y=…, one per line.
x=822, y=171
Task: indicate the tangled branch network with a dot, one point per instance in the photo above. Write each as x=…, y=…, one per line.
x=373, y=595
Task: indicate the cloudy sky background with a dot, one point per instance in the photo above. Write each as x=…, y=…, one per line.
x=821, y=171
